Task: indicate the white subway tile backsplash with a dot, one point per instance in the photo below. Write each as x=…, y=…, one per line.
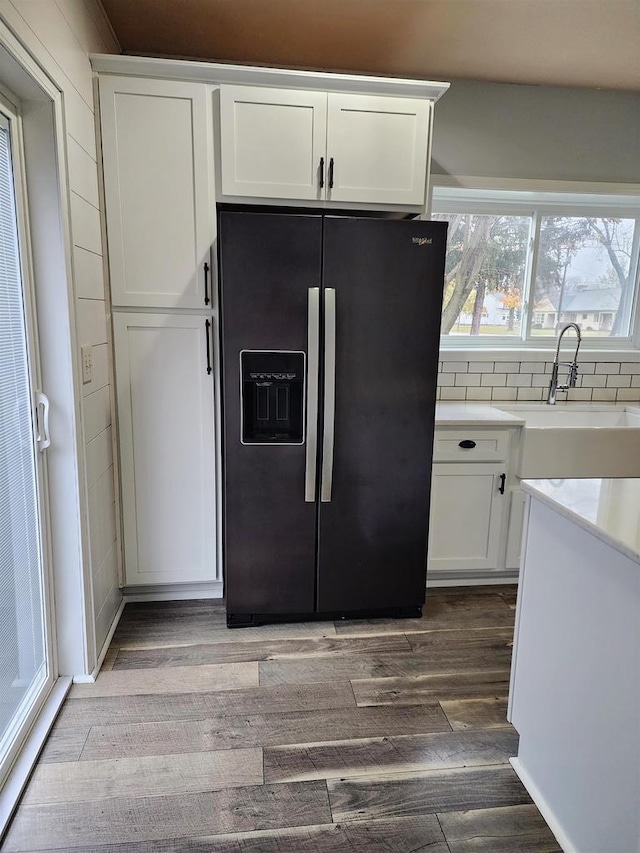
x=528, y=381
x=531, y=366
x=504, y=394
x=467, y=379
x=480, y=367
x=495, y=379
x=454, y=366
x=482, y=393
x=594, y=381
x=506, y=367
x=530, y=394
x=579, y=395
x=540, y=380
x=453, y=393
x=619, y=381
x=519, y=380
x=628, y=395
x=604, y=395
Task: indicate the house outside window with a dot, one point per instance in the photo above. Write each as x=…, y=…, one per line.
x=521, y=265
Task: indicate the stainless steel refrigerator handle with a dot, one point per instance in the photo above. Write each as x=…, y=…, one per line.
x=313, y=357
x=329, y=393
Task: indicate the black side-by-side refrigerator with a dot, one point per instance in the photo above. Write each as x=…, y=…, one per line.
x=330, y=335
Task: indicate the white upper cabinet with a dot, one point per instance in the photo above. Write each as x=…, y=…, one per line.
x=272, y=142
x=345, y=148
x=377, y=149
x=160, y=211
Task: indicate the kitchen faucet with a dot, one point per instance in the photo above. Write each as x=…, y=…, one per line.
x=572, y=375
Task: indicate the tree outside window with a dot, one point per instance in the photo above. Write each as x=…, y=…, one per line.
x=583, y=273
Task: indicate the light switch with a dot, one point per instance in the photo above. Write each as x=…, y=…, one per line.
x=87, y=365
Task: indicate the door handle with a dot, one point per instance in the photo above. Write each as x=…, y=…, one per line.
x=329, y=393
x=206, y=283
x=43, y=437
x=313, y=358
x=207, y=334
x=331, y=173
x=321, y=172
x=503, y=478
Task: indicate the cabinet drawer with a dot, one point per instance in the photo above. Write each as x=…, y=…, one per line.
x=471, y=445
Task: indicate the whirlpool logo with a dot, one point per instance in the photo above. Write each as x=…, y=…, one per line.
x=422, y=241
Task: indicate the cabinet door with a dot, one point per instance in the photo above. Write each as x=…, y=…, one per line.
x=166, y=426
x=467, y=517
x=158, y=188
x=379, y=147
x=272, y=141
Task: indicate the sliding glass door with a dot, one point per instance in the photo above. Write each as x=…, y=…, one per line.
x=26, y=666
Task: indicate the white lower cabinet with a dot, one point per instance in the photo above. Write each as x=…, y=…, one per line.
x=165, y=398
x=470, y=497
x=514, y=532
x=467, y=516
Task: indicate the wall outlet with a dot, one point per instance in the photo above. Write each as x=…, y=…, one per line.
x=87, y=365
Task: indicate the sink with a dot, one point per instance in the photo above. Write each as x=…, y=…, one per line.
x=566, y=441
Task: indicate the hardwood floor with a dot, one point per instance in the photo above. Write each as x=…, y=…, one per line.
x=379, y=736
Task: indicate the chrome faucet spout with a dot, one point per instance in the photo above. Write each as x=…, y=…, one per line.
x=572, y=374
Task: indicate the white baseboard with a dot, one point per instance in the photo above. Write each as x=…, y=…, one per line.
x=89, y=679
x=23, y=765
x=173, y=591
x=437, y=579
x=543, y=806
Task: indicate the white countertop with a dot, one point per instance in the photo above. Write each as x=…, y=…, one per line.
x=480, y=414
x=608, y=508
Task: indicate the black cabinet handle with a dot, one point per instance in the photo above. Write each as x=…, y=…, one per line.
x=206, y=283
x=503, y=478
x=467, y=444
x=207, y=326
x=331, y=173
x=321, y=172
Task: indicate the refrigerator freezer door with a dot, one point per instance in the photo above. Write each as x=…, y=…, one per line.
x=388, y=279
x=268, y=263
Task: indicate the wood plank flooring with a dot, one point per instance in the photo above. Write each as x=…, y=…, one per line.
x=380, y=736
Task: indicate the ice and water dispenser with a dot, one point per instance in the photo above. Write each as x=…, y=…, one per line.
x=272, y=390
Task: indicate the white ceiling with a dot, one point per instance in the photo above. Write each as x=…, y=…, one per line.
x=591, y=43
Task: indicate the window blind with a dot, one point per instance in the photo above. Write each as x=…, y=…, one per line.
x=22, y=645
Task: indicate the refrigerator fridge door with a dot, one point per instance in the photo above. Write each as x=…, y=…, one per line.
x=383, y=298
x=270, y=268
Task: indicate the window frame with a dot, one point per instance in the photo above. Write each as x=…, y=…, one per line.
x=536, y=204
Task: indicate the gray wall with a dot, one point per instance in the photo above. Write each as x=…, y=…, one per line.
x=537, y=132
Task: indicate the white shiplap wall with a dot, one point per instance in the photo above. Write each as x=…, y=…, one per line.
x=60, y=34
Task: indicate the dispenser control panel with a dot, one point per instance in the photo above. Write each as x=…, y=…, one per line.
x=272, y=386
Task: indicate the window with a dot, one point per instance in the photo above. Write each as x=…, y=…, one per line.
x=25, y=655
x=521, y=265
